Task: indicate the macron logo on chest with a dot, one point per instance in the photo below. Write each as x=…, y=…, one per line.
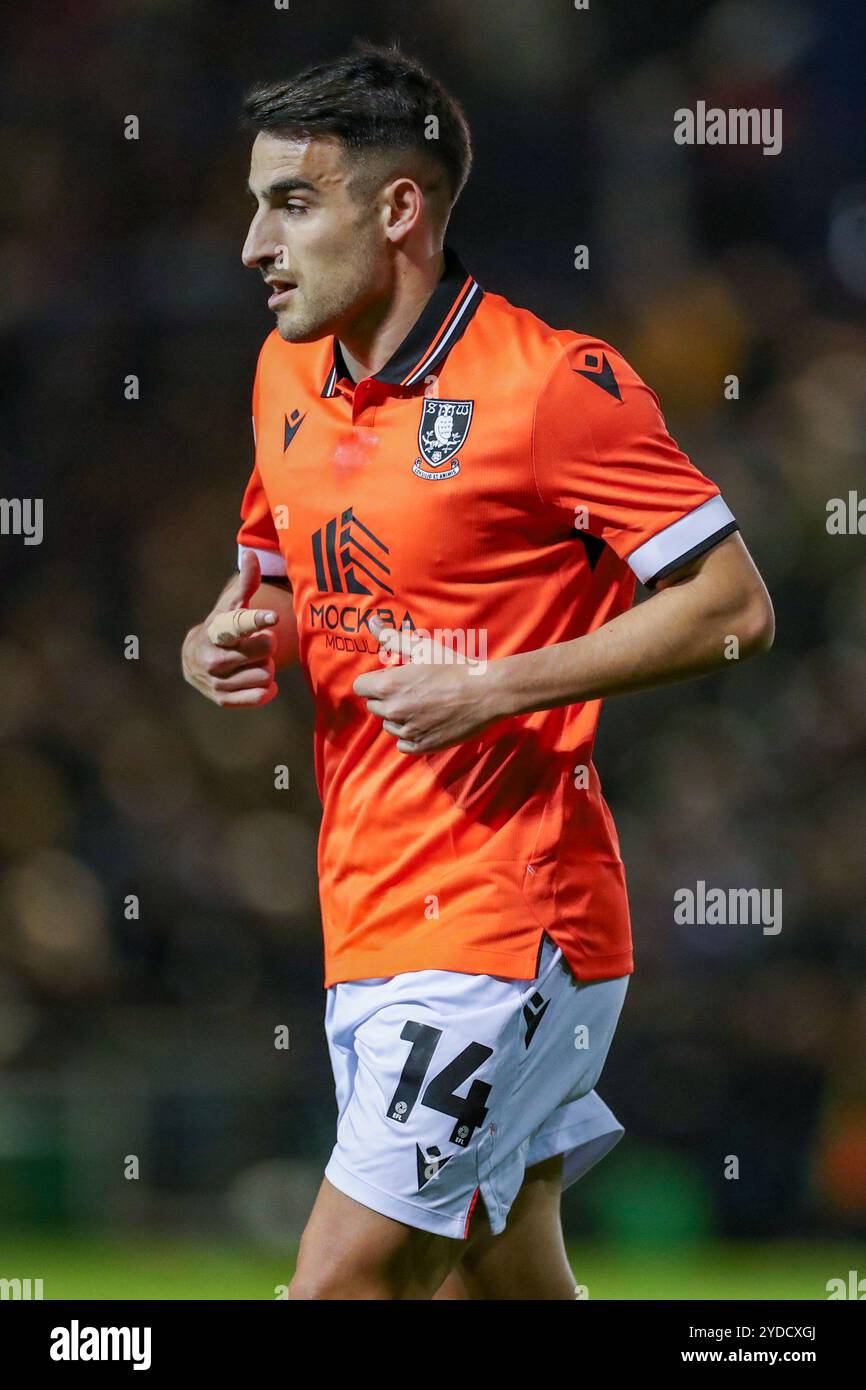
x=293, y=424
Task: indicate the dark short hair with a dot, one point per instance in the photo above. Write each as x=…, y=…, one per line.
x=374, y=100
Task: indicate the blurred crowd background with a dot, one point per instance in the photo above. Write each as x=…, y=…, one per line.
x=158, y=908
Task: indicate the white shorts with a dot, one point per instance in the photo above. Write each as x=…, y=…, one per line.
x=451, y=1085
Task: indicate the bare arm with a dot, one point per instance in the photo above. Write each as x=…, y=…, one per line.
x=685, y=630
x=241, y=675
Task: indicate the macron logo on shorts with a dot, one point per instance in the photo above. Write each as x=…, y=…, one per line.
x=534, y=1012
x=430, y=1164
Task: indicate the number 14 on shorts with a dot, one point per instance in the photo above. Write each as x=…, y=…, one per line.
x=468, y=1111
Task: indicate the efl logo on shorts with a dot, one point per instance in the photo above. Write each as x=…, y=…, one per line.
x=442, y=431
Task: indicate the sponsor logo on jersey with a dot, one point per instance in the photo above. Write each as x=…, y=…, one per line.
x=350, y=559
x=346, y=553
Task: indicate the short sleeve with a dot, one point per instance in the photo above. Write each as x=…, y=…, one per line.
x=257, y=531
x=600, y=443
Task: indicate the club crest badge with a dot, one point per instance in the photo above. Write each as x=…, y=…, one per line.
x=443, y=430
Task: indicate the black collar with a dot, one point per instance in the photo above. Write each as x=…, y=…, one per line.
x=442, y=321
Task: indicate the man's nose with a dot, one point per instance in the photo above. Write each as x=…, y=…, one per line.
x=258, y=246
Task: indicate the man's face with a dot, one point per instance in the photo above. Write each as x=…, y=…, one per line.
x=322, y=252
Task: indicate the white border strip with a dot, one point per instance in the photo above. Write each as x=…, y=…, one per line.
x=428, y=361
x=679, y=538
x=271, y=561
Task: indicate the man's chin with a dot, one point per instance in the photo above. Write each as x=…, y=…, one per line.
x=293, y=330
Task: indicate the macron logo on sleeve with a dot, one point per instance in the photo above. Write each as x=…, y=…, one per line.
x=602, y=376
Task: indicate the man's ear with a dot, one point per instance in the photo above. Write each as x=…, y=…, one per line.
x=403, y=207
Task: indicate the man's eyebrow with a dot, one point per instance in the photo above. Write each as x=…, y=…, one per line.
x=283, y=186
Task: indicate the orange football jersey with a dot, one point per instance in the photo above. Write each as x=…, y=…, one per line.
x=501, y=485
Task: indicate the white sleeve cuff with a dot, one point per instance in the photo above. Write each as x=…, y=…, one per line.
x=680, y=542
x=272, y=562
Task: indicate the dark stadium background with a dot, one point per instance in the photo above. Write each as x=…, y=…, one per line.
x=154, y=1037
